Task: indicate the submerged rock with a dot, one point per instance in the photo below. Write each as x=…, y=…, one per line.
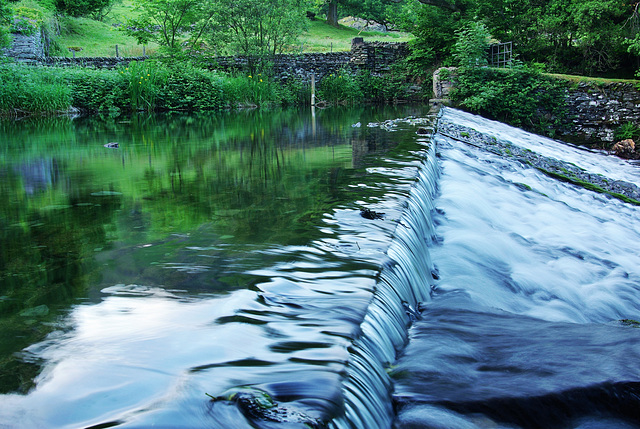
x=370, y=214
x=258, y=405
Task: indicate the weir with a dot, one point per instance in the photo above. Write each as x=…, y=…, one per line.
x=404, y=283
x=491, y=338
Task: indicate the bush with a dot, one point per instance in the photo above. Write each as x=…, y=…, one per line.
x=26, y=21
x=519, y=96
x=382, y=88
x=340, y=87
x=187, y=87
x=77, y=8
x=31, y=90
x=98, y=90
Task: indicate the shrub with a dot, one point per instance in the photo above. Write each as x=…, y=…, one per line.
x=26, y=21
x=187, y=87
x=382, y=88
x=32, y=90
x=98, y=90
x=519, y=96
x=340, y=87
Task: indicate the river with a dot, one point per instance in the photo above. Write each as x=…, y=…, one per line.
x=283, y=269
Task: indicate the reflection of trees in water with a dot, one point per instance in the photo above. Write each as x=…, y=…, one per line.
x=46, y=262
x=38, y=174
x=260, y=178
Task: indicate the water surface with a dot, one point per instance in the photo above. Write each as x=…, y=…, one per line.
x=204, y=253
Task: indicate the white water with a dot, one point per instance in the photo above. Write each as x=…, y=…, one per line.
x=524, y=326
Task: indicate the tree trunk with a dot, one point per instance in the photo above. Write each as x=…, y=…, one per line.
x=332, y=13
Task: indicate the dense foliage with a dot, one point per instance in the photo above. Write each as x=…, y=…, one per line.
x=571, y=36
x=245, y=27
x=520, y=96
x=158, y=86
x=5, y=15
x=82, y=7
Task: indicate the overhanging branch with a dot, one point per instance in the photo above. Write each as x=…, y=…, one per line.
x=452, y=5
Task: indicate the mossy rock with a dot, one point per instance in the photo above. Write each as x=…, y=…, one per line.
x=257, y=404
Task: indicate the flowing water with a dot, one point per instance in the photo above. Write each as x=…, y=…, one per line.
x=533, y=320
x=307, y=271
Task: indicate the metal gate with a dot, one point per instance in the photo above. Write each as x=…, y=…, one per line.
x=501, y=54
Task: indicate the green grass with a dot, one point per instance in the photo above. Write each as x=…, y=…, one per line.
x=322, y=37
x=97, y=39
x=597, y=80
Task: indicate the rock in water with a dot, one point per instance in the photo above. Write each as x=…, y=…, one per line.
x=112, y=145
x=370, y=214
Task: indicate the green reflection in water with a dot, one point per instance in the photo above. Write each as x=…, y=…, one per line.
x=184, y=202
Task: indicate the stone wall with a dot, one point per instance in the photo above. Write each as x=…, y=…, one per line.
x=285, y=66
x=597, y=110
x=443, y=81
x=26, y=49
x=376, y=57
x=90, y=62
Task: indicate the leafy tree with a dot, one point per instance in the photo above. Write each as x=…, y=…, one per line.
x=170, y=22
x=378, y=11
x=255, y=27
x=5, y=14
x=584, y=36
x=434, y=29
x=471, y=47
x=78, y=8
x=385, y=12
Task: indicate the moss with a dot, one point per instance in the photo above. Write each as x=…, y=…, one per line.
x=589, y=186
x=630, y=322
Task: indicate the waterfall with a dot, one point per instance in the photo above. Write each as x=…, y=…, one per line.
x=404, y=283
x=532, y=272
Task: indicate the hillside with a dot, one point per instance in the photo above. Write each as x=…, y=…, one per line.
x=99, y=39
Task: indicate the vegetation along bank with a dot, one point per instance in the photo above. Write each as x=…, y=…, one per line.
x=198, y=55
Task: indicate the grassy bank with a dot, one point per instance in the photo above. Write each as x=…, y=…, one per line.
x=156, y=85
x=99, y=39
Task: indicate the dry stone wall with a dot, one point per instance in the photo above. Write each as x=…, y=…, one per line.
x=26, y=49
x=376, y=57
x=597, y=110
x=594, y=110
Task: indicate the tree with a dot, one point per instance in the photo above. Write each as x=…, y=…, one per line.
x=472, y=44
x=256, y=27
x=579, y=36
x=385, y=12
x=451, y=5
x=5, y=15
x=78, y=8
x=379, y=11
x=170, y=22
